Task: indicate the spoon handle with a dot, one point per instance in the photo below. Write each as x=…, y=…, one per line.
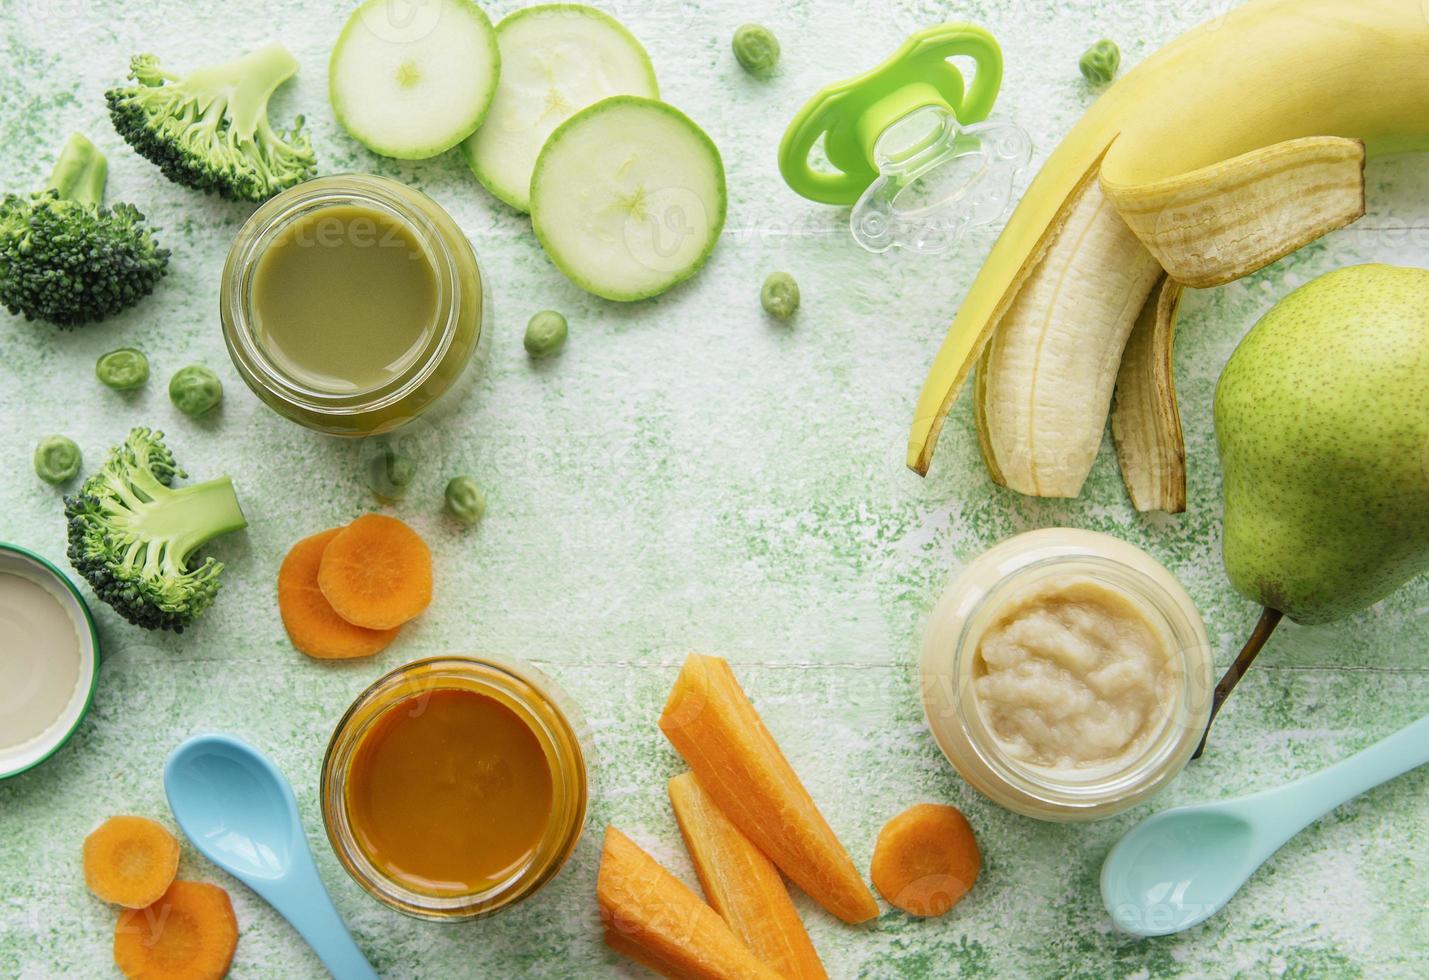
x=1306, y=800
x=307, y=905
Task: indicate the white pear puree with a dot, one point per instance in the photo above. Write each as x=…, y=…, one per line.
x=1071, y=673
x=39, y=659
x=1066, y=674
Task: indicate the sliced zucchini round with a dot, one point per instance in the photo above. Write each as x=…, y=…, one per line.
x=556, y=59
x=411, y=80
x=628, y=197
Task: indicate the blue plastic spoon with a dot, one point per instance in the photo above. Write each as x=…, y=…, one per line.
x=1181, y=866
x=239, y=811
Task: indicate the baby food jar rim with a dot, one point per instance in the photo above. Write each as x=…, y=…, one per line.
x=1075, y=794
x=383, y=194
x=46, y=571
x=558, y=726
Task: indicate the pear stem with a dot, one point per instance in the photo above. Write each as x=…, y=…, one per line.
x=1269, y=619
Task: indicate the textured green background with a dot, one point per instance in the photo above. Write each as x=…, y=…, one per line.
x=686, y=476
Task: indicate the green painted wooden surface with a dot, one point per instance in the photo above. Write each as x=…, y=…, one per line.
x=687, y=475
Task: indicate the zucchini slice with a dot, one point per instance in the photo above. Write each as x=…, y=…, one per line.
x=411, y=80
x=556, y=59
x=628, y=197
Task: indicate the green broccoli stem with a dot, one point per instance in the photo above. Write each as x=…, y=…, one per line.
x=248, y=82
x=80, y=172
x=189, y=516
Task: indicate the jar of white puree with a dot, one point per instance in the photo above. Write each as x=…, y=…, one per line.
x=1066, y=674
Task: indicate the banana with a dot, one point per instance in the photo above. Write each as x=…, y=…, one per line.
x=1045, y=378
x=1229, y=148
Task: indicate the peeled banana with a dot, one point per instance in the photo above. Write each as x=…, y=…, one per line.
x=1231, y=147
x=1064, y=332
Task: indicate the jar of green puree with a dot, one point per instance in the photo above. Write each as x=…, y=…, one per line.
x=353, y=304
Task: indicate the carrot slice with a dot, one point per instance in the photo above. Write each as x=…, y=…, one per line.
x=714, y=727
x=926, y=859
x=653, y=917
x=312, y=625
x=377, y=573
x=189, y=933
x=743, y=885
x=130, y=861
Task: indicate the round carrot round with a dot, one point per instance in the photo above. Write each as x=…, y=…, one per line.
x=130, y=861
x=189, y=933
x=377, y=573
x=312, y=625
x=925, y=859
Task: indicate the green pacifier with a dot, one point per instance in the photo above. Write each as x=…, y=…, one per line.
x=909, y=146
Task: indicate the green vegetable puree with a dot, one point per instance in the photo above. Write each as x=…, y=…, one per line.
x=344, y=299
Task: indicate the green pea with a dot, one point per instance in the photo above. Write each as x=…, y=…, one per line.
x=1100, y=62
x=122, y=369
x=545, y=334
x=56, y=459
x=465, y=501
x=195, y=390
x=755, y=48
x=389, y=471
x=780, y=295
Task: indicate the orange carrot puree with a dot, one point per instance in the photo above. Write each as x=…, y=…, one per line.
x=449, y=792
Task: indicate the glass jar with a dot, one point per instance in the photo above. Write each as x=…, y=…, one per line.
x=956, y=716
x=539, y=703
x=453, y=347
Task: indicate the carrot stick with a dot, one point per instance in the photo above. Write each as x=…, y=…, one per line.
x=713, y=726
x=743, y=885
x=653, y=917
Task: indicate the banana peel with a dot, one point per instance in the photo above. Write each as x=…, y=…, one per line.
x=1217, y=224
x=1229, y=148
x=1146, y=419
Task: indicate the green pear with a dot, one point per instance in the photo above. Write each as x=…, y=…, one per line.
x=1322, y=417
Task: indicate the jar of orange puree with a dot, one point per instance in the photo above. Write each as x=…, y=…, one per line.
x=456, y=786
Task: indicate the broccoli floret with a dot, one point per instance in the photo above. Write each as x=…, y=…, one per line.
x=131, y=534
x=65, y=259
x=209, y=130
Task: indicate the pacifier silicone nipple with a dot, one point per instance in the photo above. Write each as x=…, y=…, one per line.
x=936, y=180
x=908, y=145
